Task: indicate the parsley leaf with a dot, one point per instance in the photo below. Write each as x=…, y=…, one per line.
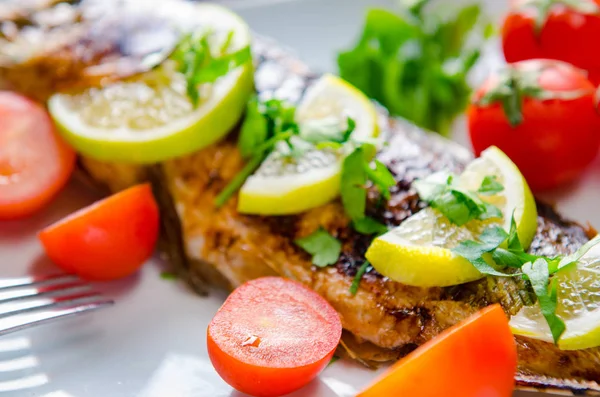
x=200, y=65
x=476, y=251
x=458, y=205
x=490, y=186
x=255, y=129
x=353, y=184
x=546, y=292
x=368, y=225
x=324, y=248
x=381, y=177
x=359, y=275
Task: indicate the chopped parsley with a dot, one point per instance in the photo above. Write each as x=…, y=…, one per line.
x=324, y=248
x=457, y=204
x=200, y=64
x=496, y=251
x=266, y=123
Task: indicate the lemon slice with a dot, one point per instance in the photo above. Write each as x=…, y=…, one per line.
x=578, y=306
x=149, y=118
x=287, y=185
x=418, y=251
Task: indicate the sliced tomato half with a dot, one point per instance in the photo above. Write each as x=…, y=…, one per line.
x=35, y=163
x=272, y=336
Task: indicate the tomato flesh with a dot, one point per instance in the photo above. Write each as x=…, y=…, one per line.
x=557, y=139
x=35, y=163
x=109, y=239
x=475, y=358
x=272, y=336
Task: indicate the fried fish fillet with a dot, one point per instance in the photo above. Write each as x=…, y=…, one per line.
x=384, y=320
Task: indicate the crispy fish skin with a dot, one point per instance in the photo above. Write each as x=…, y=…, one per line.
x=385, y=320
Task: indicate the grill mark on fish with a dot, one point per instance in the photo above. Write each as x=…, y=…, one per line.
x=385, y=320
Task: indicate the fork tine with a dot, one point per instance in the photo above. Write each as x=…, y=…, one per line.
x=38, y=281
x=11, y=295
x=23, y=306
x=30, y=319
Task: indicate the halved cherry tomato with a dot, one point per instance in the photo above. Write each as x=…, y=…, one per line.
x=35, y=163
x=109, y=239
x=475, y=358
x=543, y=115
x=554, y=29
x=272, y=336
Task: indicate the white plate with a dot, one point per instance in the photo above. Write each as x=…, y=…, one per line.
x=152, y=342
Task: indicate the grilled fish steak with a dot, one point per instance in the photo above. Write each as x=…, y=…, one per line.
x=385, y=320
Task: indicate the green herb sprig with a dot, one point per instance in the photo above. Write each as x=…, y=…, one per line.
x=416, y=63
x=497, y=250
x=200, y=64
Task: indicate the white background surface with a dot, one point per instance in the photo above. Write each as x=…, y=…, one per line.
x=152, y=342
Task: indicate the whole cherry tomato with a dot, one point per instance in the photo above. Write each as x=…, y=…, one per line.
x=543, y=115
x=554, y=29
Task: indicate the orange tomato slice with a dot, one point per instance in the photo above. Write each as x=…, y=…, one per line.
x=475, y=358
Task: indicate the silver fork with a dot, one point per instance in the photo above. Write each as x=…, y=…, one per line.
x=30, y=301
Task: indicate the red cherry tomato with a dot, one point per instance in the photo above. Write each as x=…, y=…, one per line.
x=272, y=336
x=475, y=358
x=109, y=239
x=565, y=32
x=559, y=134
x=35, y=163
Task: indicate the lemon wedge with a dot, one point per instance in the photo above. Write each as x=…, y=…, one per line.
x=149, y=117
x=284, y=184
x=418, y=252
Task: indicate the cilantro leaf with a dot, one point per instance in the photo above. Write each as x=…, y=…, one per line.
x=359, y=275
x=368, y=225
x=490, y=186
x=324, y=248
x=539, y=277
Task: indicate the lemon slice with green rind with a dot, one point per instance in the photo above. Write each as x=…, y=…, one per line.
x=418, y=252
x=149, y=118
x=285, y=184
